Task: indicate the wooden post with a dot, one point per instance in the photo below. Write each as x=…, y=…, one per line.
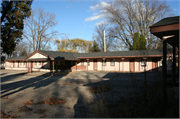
x=103, y=61
x=122, y=64
x=164, y=74
x=31, y=67
x=174, y=61
x=42, y=64
x=76, y=65
x=53, y=67
x=87, y=64
x=56, y=66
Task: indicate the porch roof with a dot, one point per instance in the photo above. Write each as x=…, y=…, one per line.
x=167, y=29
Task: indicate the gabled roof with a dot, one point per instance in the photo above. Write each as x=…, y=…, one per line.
x=60, y=55
x=166, y=21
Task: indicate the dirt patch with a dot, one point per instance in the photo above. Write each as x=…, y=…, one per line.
x=49, y=101
x=29, y=102
x=6, y=97
x=24, y=109
x=100, y=89
x=54, y=101
x=40, y=111
x=4, y=115
x=64, y=83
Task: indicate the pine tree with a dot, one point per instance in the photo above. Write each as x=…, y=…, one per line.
x=135, y=41
x=95, y=47
x=139, y=42
x=142, y=42
x=12, y=15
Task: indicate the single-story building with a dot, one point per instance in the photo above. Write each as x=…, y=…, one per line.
x=54, y=61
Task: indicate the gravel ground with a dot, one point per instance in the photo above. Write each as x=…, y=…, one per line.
x=18, y=87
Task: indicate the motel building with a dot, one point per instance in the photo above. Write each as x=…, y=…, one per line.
x=55, y=61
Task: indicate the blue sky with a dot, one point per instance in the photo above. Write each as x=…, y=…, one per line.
x=75, y=18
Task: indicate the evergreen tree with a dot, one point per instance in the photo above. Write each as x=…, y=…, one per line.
x=139, y=42
x=95, y=47
x=12, y=15
x=142, y=42
x=135, y=41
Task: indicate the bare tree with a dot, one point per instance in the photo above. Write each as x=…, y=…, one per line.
x=22, y=49
x=38, y=29
x=98, y=36
x=130, y=16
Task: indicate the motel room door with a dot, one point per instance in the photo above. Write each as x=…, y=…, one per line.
x=154, y=64
x=131, y=64
x=95, y=65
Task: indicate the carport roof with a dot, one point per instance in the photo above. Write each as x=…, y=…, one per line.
x=166, y=21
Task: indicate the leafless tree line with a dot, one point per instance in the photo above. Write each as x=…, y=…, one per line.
x=124, y=18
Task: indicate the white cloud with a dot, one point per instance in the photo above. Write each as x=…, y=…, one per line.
x=100, y=5
x=174, y=9
x=101, y=15
x=101, y=22
x=96, y=16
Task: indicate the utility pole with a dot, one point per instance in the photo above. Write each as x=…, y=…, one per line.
x=104, y=42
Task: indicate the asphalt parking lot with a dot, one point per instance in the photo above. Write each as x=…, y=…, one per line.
x=18, y=87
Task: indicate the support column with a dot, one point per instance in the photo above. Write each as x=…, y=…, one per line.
x=42, y=64
x=122, y=64
x=76, y=66
x=103, y=66
x=53, y=66
x=30, y=67
x=174, y=61
x=18, y=64
x=87, y=64
x=13, y=64
x=56, y=66
x=164, y=73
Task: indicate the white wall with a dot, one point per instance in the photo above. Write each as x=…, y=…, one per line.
x=37, y=55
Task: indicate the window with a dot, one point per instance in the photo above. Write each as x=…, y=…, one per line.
x=88, y=63
x=161, y=60
x=104, y=62
x=82, y=62
x=143, y=62
x=112, y=62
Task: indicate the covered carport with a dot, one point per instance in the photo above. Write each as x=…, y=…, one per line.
x=167, y=29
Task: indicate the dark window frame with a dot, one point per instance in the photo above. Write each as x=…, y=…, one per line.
x=143, y=62
x=82, y=62
x=111, y=62
x=88, y=63
x=103, y=62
